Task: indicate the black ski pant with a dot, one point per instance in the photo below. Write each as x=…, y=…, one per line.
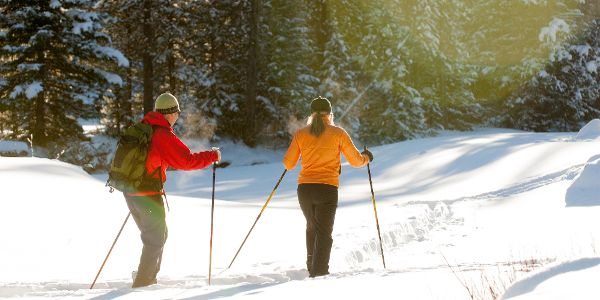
x=318, y=203
x=149, y=214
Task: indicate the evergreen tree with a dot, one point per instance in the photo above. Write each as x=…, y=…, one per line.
x=194, y=70
x=159, y=50
x=334, y=62
x=387, y=109
x=431, y=74
x=245, y=69
x=53, y=57
x=221, y=64
x=566, y=93
x=231, y=89
x=122, y=110
x=508, y=45
x=291, y=82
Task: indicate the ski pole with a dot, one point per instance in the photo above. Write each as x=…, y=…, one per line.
x=261, y=211
x=212, y=212
x=109, y=251
x=375, y=209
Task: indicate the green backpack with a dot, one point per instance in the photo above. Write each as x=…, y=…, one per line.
x=128, y=167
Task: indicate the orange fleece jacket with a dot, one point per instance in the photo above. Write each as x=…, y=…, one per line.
x=321, y=155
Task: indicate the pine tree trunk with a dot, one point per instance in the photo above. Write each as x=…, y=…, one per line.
x=251, y=86
x=39, y=129
x=171, y=69
x=116, y=128
x=212, y=94
x=322, y=37
x=128, y=105
x=147, y=57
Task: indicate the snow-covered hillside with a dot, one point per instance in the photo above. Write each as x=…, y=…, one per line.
x=461, y=214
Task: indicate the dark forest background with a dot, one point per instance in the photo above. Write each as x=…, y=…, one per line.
x=247, y=70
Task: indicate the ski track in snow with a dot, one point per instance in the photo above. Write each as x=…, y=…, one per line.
x=399, y=234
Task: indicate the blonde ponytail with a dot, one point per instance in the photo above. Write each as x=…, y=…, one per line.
x=317, y=126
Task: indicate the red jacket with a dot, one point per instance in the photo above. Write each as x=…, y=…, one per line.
x=167, y=150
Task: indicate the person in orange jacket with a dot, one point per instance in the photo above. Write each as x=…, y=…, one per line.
x=146, y=205
x=319, y=144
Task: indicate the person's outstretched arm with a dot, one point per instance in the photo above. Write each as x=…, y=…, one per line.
x=177, y=155
x=352, y=155
x=290, y=159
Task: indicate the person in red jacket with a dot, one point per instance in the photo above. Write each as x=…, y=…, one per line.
x=146, y=205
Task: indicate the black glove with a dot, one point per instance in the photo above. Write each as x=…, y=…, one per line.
x=368, y=153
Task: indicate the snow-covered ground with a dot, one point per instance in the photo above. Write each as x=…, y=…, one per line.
x=462, y=216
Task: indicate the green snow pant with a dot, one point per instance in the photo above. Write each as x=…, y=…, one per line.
x=149, y=214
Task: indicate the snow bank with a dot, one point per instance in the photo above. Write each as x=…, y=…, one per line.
x=53, y=212
x=568, y=280
x=585, y=188
x=591, y=131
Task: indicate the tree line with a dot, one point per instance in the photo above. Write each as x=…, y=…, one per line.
x=247, y=69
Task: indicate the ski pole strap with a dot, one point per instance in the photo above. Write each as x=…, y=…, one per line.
x=110, y=188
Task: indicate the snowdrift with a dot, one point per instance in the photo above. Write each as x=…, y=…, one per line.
x=585, y=189
x=591, y=131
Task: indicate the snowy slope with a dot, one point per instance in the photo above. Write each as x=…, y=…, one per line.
x=459, y=213
x=566, y=280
